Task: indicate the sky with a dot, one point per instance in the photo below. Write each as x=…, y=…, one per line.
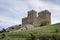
x=12, y=11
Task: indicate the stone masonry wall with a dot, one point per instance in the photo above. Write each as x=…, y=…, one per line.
x=34, y=20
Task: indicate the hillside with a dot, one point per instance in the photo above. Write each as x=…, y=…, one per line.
x=48, y=30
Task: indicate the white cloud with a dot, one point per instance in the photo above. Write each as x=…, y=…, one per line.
x=53, y=8
x=7, y=21
x=17, y=9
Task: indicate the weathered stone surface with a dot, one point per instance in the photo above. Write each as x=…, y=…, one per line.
x=20, y=27
x=35, y=20
x=12, y=28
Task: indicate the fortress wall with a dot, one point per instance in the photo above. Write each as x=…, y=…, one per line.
x=25, y=20
x=34, y=20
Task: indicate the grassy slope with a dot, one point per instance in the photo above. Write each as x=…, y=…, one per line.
x=45, y=30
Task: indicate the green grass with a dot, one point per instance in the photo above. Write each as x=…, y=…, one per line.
x=48, y=30
x=43, y=30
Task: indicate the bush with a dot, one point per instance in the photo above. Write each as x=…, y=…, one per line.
x=54, y=37
x=57, y=30
x=45, y=22
x=3, y=36
x=0, y=31
x=32, y=37
x=3, y=30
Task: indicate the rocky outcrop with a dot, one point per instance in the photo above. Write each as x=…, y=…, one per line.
x=12, y=28
x=20, y=27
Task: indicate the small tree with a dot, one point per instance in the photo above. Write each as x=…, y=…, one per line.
x=3, y=30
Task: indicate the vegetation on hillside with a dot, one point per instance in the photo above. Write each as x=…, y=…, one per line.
x=48, y=32
x=44, y=22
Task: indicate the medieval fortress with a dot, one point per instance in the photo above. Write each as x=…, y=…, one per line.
x=35, y=20
x=32, y=20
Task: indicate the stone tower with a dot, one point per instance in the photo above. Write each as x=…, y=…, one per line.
x=31, y=18
x=44, y=15
x=32, y=14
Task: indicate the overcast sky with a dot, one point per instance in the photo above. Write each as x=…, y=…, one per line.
x=12, y=11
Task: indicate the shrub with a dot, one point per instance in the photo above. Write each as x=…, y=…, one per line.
x=32, y=37
x=57, y=30
x=54, y=37
x=3, y=35
x=0, y=31
x=44, y=22
x=3, y=30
